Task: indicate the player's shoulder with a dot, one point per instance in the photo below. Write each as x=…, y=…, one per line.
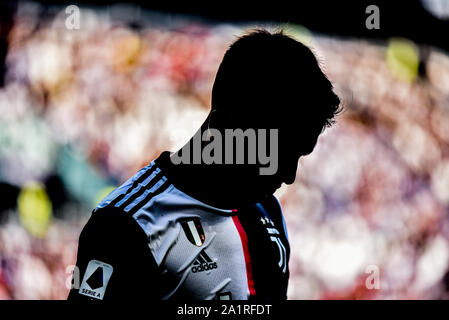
x=149, y=197
x=114, y=198
x=138, y=191
x=272, y=205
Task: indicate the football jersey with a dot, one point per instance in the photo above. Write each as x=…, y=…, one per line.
x=150, y=240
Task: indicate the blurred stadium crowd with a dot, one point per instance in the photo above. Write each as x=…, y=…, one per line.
x=82, y=110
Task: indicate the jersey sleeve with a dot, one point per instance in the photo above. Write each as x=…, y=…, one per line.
x=114, y=261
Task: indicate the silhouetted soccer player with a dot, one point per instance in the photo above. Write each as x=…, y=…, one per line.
x=202, y=229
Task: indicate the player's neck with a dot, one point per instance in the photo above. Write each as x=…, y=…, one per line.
x=216, y=185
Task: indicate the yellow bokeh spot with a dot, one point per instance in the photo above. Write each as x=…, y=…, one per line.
x=103, y=193
x=403, y=59
x=127, y=53
x=35, y=209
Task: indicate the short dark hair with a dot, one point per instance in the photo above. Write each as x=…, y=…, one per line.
x=262, y=70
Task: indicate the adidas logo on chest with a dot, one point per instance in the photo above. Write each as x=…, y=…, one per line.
x=203, y=263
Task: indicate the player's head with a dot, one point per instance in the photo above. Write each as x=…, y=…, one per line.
x=269, y=80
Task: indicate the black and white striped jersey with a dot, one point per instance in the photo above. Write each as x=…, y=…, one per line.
x=149, y=240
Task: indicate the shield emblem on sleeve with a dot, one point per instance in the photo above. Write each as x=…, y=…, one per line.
x=194, y=231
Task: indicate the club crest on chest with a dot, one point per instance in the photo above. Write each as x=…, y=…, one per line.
x=194, y=231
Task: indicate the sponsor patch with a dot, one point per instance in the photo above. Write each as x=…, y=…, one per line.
x=96, y=279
